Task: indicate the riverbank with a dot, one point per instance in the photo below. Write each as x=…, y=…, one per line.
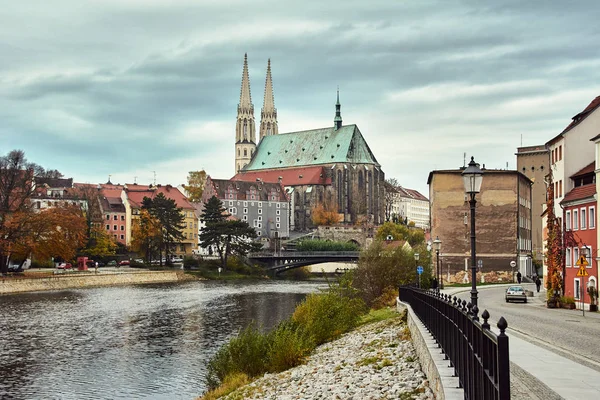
x=84, y=279
x=375, y=361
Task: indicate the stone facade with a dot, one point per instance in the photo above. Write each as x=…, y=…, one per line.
x=503, y=223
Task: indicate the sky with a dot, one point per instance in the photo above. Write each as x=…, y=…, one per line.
x=147, y=90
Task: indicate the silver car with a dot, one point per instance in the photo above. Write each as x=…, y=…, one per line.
x=515, y=293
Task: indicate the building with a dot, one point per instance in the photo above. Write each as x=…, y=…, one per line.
x=51, y=192
x=580, y=221
x=411, y=206
x=503, y=224
x=332, y=165
x=264, y=206
x=133, y=197
x=533, y=162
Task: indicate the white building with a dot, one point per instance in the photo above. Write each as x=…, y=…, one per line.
x=410, y=205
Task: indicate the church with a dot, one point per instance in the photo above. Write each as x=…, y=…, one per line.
x=331, y=167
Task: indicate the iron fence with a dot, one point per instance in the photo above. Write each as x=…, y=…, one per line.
x=479, y=356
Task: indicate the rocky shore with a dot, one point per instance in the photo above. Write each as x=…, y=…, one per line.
x=376, y=361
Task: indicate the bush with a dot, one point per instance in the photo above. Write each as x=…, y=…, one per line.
x=387, y=298
x=190, y=262
x=567, y=300
x=289, y=344
x=325, y=245
x=326, y=316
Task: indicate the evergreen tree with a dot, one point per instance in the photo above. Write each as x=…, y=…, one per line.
x=226, y=236
x=170, y=218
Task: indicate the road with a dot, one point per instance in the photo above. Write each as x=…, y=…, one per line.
x=566, y=332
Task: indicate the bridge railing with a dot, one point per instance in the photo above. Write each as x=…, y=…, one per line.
x=479, y=356
x=301, y=254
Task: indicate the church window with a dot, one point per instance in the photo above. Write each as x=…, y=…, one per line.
x=238, y=152
x=245, y=129
x=245, y=152
x=340, y=189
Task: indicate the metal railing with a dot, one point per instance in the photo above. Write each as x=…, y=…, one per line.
x=479, y=356
x=301, y=254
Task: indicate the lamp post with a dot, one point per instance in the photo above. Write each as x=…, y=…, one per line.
x=472, y=178
x=416, y=264
x=437, y=244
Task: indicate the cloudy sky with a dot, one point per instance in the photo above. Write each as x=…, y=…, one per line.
x=129, y=88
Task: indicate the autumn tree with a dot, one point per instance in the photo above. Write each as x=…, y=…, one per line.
x=93, y=213
x=100, y=244
x=170, y=219
x=325, y=213
x=146, y=235
x=195, y=185
x=414, y=236
x=391, y=195
x=227, y=237
x=554, y=247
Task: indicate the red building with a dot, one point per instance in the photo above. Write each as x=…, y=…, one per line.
x=579, y=216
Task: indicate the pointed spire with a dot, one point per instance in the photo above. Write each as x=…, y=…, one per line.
x=245, y=97
x=268, y=114
x=337, y=121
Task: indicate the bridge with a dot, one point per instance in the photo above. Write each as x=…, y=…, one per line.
x=281, y=261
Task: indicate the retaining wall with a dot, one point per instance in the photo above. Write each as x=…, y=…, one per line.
x=82, y=280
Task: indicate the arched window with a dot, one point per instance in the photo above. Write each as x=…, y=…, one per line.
x=245, y=152
x=245, y=129
x=340, y=190
x=361, y=182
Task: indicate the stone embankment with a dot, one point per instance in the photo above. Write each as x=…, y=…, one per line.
x=88, y=279
x=377, y=361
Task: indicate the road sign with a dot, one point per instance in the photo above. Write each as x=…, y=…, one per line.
x=582, y=271
x=479, y=263
x=582, y=262
x=419, y=270
x=513, y=264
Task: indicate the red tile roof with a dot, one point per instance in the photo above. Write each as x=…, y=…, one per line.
x=289, y=177
x=589, y=169
x=580, y=193
x=136, y=195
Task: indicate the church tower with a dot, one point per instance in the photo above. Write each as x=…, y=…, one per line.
x=268, y=114
x=337, y=121
x=245, y=142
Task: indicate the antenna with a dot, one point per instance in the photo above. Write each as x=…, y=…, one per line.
x=507, y=165
x=154, y=172
x=109, y=175
x=465, y=159
x=521, y=140
x=135, y=180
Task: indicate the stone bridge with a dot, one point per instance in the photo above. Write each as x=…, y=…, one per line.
x=278, y=262
x=361, y=236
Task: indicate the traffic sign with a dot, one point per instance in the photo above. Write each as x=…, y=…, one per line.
x=419, y=270
x=582, y=271
x=582, y=262
x=480, y=264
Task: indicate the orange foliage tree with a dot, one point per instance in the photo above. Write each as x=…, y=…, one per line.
x=554, y=247
x=325, y=213
x=146, y=235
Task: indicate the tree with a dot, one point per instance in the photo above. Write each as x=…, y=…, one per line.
x=146, y=235
x=414, y=236
x=226, y=236
x=325, y=213
x=195, y=186
x=391, y=195
x=554, y=246
x=170, y=219
x=93, y=212
x=16, y=188
x=100, y=244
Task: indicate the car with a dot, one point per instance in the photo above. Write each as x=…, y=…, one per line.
x=124, y=262
x=515, y=293
x=64, y=266
x=111, y=263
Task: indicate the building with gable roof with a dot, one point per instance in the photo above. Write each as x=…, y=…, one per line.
x=410, y=205
x=328, y=165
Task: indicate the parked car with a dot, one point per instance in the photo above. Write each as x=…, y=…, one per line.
x=64, y=266
x=111, y=263
x=124, y=262
x=515, y=293
x=177, y=260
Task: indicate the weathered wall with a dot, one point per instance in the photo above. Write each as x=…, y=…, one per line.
x=362, y=236
x=82, y=280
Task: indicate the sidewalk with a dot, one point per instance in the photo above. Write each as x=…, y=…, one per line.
x=566, y=378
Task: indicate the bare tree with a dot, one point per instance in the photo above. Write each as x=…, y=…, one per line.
x=391, y=195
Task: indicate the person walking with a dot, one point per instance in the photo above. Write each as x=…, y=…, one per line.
x=538, y=283
x=519, y=276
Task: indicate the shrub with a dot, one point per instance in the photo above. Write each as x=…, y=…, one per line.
x=326, y=316
x=288, y=346
x=567, y=300
x=190, y=262
x=387, y=298
x=230, y=383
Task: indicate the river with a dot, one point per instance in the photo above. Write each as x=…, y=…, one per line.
x=134, y=342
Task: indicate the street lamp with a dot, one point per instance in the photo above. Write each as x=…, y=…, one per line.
x=416, y=264
x=472, y=178
x=437, y=244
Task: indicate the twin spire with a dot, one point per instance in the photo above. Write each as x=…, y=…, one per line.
x=268, y=114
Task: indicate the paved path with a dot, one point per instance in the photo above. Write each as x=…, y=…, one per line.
x=538, y=372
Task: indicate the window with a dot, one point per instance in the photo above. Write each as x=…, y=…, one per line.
x=278, y=212
x=245, y=204
x=122, y=228
x=277, y=219
x=245, y=211
x=259, y=225
x=108, y=227
x=231, y=202
x=115, y=217
x=575, y=254
x=245, y=218
x=560, y=188
x=559, y=153
x=122, y=237
x=277, y=226
x=107, y=217
x=575, y=219
x=122, y=218
x=568, y=220
x=260, y=217
x=577, y=289
x=592, y=217
x=278, y=205
x=583, y=219
x=114, y=227
x=260, y=203
x=260, y=210
x=259, y=233
x=568, y=259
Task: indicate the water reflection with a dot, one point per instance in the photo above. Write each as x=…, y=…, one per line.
x=150, y=342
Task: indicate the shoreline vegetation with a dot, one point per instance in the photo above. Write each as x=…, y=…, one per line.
x=321, y=318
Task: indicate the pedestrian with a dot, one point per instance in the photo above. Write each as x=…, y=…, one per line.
x=538, y=283
x=519, y=276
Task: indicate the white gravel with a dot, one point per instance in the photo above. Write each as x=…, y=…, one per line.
x=376, y=361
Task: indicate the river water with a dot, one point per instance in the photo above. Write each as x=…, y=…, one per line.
x=134, y=342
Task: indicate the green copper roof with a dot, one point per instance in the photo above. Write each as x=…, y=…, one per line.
x=314, y=147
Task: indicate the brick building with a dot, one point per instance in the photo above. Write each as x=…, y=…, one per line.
x=503, y=223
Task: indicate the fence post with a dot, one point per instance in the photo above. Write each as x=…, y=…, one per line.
x=503, y=361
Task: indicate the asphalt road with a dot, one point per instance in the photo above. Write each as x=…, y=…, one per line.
x=565, y=332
